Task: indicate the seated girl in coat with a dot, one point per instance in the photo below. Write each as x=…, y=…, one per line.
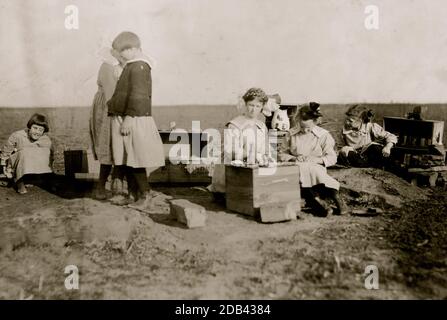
x=28, y=151
x=312, y=148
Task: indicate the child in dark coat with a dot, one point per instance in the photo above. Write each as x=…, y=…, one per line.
x=136, y=143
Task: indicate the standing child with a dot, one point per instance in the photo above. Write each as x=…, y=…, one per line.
x=108, y=76
x=136, y=143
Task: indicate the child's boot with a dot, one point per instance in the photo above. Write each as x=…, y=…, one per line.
x=341, y=208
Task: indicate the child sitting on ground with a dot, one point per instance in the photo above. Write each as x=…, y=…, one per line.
x=27, y=151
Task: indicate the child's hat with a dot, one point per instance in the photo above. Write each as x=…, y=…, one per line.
x=310, y=111
x=126, y=40
x=361, y=112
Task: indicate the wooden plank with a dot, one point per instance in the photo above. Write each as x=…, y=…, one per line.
x=432, y=169
x=86, y=176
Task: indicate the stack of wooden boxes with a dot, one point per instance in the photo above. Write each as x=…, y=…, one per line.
x=419, y=150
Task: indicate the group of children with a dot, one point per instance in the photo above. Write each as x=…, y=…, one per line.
x=311, y=147
x=125, y=138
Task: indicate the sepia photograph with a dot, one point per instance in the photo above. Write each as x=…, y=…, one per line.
x=223, y=150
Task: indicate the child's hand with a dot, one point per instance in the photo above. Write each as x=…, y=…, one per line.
x=386, y=151
x=301, y=158
x=261, y=159
x=125, y=126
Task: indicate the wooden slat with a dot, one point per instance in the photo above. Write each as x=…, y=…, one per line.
x=432, y=169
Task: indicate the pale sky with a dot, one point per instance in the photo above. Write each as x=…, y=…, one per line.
x=211, y=51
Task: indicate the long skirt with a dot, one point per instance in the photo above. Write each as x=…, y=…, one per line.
x=312, y=174
x=142, y=148
x=100, y=130
x=30, y=161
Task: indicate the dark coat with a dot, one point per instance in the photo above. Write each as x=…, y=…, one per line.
x=133, y=92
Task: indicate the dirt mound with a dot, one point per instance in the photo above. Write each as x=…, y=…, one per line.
x=75, y=221
x=374, y=186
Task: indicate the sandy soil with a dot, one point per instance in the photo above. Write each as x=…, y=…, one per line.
x=126, y=254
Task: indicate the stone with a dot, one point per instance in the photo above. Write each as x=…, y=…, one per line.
x=280, y=211
x=190, y=214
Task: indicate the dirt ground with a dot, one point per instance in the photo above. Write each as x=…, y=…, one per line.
x=126, y=254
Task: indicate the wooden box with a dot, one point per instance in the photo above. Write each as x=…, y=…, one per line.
x=415, y=133
x=80, y=161
x=249, y=188
x=180, y=174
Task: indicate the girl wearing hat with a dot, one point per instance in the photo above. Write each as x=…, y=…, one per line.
x=108, y=75
x=136, y=143
x=28, y=151
x=366, y=143
x=312, y=148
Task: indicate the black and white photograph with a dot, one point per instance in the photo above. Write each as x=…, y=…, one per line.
x=223, y=150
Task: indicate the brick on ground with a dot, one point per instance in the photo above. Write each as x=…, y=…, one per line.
x=190, y=214
x=280, y=211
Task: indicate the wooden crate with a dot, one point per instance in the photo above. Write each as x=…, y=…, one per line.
x=247, y=189
x=415, y=133
x=178, y=174
x=80, y=161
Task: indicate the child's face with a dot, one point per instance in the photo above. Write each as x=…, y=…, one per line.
x=353, y=123
x=307, y=124
x=35, y=132
x=254, y=108
x=129, y=54
x=117, y=56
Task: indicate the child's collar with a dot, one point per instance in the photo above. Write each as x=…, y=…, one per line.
x=138, y=59
x=143, y=58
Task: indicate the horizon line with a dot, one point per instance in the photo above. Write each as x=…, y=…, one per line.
x=228, y=105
